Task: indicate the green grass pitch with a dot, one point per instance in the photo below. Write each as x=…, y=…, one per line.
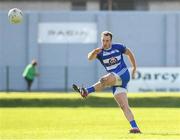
x=47, y=116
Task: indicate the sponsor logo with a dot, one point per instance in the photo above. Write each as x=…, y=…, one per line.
x=113, y=61
x=145, y=76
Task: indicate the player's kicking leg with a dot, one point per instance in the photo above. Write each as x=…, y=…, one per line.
x=105, y=81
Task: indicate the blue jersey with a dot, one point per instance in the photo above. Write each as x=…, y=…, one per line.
x=112, y=59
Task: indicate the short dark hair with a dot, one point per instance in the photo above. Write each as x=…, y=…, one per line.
x=107, y=33
x=34, y=62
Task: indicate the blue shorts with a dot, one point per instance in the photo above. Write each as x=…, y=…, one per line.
x=121, y=82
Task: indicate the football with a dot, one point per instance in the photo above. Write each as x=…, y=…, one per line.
x=15, y=16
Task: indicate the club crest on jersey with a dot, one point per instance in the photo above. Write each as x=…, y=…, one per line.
x=113, y=60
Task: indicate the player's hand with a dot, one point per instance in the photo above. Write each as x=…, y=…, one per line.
x=93, y=54
x=97, y=50
x=133, y=72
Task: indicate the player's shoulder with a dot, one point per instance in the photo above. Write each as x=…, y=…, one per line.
x=118, y=45
x=29, y=65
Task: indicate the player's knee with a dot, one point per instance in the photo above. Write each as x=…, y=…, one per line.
x=103, y=81
x=124, y=107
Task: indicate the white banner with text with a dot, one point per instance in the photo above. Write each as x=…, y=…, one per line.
x=67, y=32
x=155, y=80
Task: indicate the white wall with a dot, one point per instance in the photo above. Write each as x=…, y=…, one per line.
x=152, y=36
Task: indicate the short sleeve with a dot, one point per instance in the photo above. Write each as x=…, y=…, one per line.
x=99, y=56
x=122, y=48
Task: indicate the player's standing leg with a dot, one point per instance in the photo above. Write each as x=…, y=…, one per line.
x=122, y=101
x=120, y=95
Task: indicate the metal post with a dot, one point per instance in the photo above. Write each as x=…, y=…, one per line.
x=66, y=78
x=7, y=78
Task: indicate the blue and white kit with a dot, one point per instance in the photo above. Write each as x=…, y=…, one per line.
x=112, y=60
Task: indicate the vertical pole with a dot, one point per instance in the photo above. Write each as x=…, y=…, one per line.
x=66, y=78
x=7, y=78
x=110, y=5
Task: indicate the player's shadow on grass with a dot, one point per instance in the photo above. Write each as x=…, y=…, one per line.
x=92, y=101
x=163, y=134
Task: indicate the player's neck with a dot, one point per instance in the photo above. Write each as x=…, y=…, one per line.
x=108, y=48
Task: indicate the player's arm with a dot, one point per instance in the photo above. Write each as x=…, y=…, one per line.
x=93, y=54
x=132, y=60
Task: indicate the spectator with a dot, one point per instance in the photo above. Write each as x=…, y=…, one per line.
x=30, y=73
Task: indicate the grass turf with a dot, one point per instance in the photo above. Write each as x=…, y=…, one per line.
x=79, y=119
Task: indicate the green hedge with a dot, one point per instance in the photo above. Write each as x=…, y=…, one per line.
x=92, y=101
